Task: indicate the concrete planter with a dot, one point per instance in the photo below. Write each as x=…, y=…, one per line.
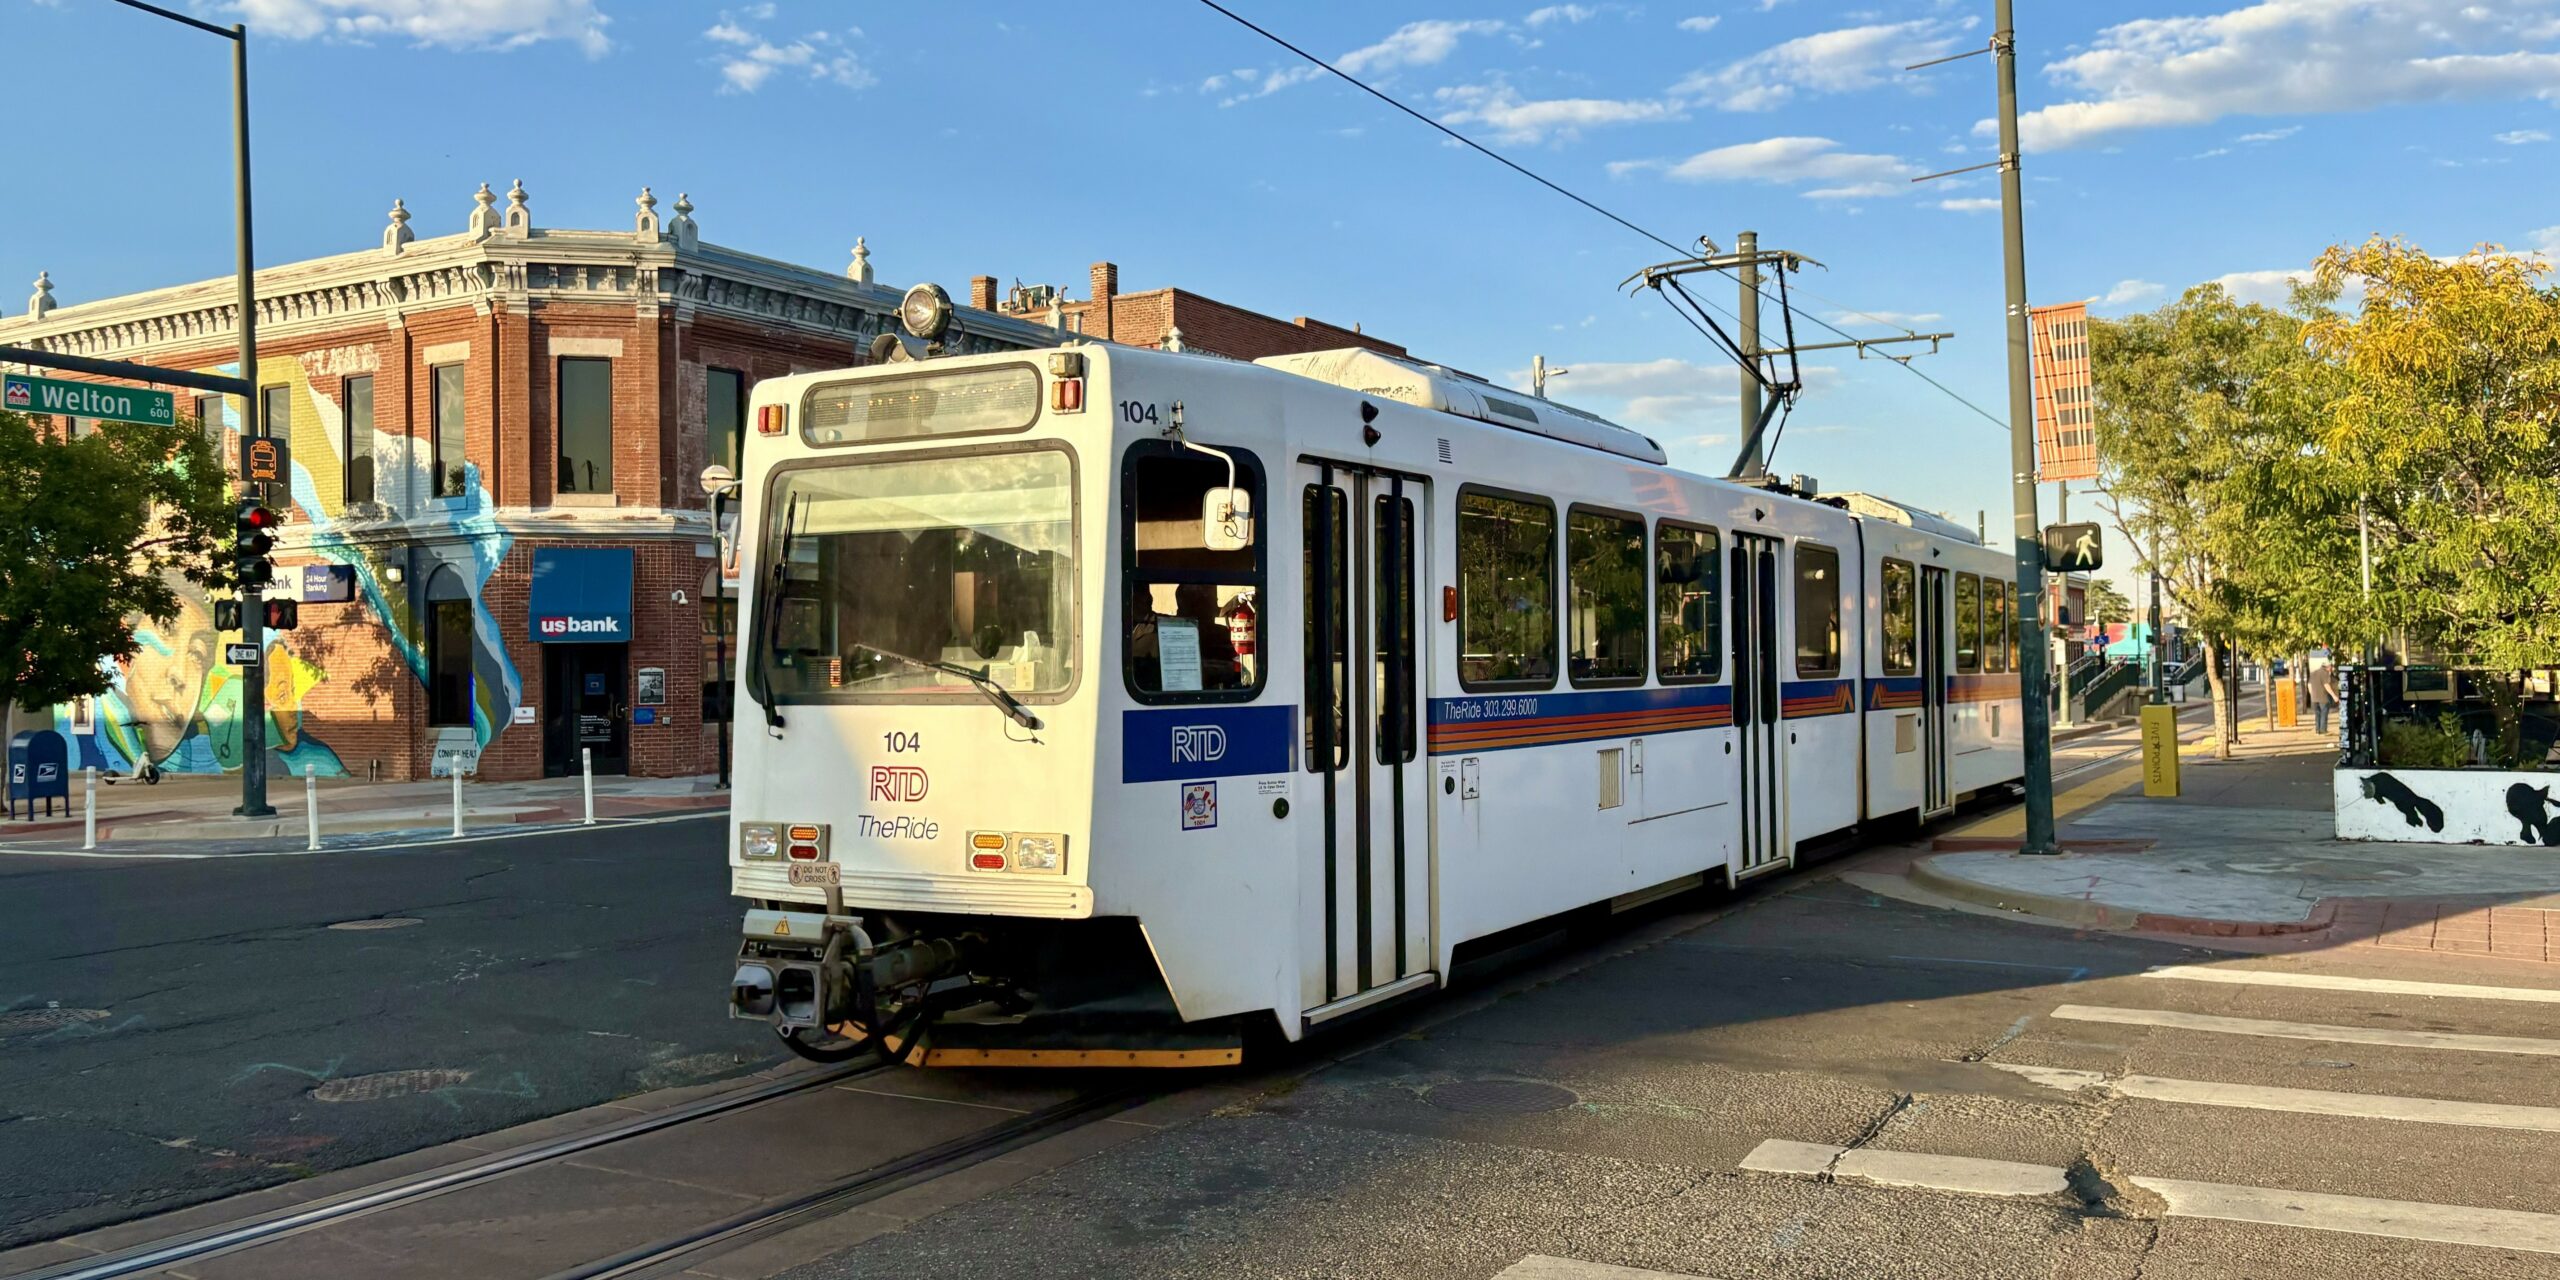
x=2449, y=806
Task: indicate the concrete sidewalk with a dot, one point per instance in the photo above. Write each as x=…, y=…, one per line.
x=2246, y=853
x=194, y=815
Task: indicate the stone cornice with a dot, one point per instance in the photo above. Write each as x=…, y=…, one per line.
x=325, y=296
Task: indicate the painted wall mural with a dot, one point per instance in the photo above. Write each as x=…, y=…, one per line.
x=177, y=704
x=2448, y=806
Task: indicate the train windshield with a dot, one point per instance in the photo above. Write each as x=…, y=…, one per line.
x=873, y=571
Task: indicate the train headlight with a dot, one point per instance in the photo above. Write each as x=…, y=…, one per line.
x=759, y=841
x=1040, y=853
x=925, y=312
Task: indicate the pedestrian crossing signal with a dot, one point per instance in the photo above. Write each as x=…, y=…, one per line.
x=2073, y=548
x=283, y=615
x=226, y=615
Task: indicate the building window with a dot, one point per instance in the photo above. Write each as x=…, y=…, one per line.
x=209, y=419
x=444, y=408
x=1817, y=611
x=725, y=415
x=1968, y=624
x=275, y=412
x=1688, y=578
x=586, y=426
x=1604, y=576
x=359, y=450
x=1506, y=591
x=1900, y=625
x=1187, y=601
x=1995, y=626
x=449, y=646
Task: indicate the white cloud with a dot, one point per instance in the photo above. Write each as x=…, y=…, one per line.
x=2547, y=242
x=2268, y=288
x=2296, y=57
x=1701, y=24
x=751, y=59
x=2270, y=135
x=1645, y=392
x=1415, y=44
x=1517, y=120
x=2128, y=292
x=1562, y=13
x=1841, y=61
x=1895, y=319
x=1845, y=175
x=2523, y=137
x=1971, y=204
x=453, y=24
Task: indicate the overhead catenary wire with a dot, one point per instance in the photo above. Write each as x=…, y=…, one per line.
x=1558, y=188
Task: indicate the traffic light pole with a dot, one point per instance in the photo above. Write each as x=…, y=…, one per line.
x=253, y=595
x=2035, y=710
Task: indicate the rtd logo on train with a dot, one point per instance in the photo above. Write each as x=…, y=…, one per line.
x=898, y=783
x=1198, y=743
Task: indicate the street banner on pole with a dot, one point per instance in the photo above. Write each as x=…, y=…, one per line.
x=2066, y=416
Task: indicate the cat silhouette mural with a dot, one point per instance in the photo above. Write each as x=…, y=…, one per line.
x=2532, y=809
x=2382, y=788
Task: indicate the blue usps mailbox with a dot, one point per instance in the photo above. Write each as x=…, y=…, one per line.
x=39, y=769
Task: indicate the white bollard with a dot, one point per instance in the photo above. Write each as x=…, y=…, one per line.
x=587, y=780
x=311, y=805
x=457, y=798
x=89, y=808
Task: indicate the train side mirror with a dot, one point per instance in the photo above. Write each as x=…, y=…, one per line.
x=1226, y=519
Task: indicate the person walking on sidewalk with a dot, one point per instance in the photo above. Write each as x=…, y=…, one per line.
x=2323, y=686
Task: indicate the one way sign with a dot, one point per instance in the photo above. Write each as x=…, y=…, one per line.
x=2073, y=548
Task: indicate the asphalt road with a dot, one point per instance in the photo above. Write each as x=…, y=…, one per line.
x=173, y=1031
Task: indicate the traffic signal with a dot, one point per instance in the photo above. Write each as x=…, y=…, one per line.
x=254, y=540
x=226, y=615
x=282, y=615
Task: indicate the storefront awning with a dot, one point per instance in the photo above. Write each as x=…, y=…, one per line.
x=581, y=595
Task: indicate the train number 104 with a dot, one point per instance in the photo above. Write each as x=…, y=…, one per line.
x=1138, y=411
x=901, y=743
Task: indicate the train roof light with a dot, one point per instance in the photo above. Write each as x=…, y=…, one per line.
x=925, y=312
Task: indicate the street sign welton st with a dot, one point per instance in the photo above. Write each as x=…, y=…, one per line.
x=27, y=393
x=2073, y=548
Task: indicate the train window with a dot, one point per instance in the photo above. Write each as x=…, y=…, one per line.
x=1968, y=623
x=1899, y=621
x=1817, y=611
x=2010, y=632
x=1604, y=577
x=1995, y=626
x=1189, y=610
x=1688, y=580
x=1392, y=536
x=1506, y=591
x=1335, y=675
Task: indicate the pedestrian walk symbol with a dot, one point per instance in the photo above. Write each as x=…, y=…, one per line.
x=2073, y=548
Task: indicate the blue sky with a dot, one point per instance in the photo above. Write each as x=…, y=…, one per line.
x=2168, y=143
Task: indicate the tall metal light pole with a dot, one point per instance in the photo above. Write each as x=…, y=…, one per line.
x=253, y=685
x=1746, y=335
x=2035, y=712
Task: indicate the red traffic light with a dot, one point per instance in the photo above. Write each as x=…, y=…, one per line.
x=257, y=516
x=282, y=615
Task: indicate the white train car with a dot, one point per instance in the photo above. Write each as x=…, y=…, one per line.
x=1106, y=705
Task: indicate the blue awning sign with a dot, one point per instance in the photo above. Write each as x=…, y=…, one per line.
x=580, y=595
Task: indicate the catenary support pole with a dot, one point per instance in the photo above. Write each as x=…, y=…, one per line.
x=89, y=808
x=311, y=806
x=1746, y=335
x=587, y=781
x=2036, y=712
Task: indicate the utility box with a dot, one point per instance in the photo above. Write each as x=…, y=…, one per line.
x=39, y=769
x=2286, y=713
x=2160, y=750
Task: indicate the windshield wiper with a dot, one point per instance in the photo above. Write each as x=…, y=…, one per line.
x=766, y=637
x=984, y=683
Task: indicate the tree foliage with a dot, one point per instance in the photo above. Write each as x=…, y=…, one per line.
x=95, y=532
x=2105, y=605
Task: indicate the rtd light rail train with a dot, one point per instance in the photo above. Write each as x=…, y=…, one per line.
x=1107, y=705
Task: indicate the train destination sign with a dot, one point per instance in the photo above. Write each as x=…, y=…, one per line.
x=27, y=393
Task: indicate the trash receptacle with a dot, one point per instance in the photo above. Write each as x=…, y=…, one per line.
x=39, y=769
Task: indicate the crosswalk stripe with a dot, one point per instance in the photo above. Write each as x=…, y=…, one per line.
x=2317, y=1102
x=2358, y=1215
x=2335, y=982
x=2310, y=1031
x=1538, y=1266
x=2315, y=1211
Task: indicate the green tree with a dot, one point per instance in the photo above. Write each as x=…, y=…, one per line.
x=95, y=532
x=2207, y=416
x=2448, y=423
x=2106, y=606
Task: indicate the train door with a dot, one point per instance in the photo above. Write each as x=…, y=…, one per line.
x=1758, y=719
x=1935, y=796
x=1366, y=899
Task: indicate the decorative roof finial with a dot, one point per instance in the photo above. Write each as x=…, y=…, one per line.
x=396, y=237
x=688, y=235
x=484, y=215
x=42, y=300
x=860, y=271
x=1173, y=338
x=1058, y=311
x=647, y=227
x=519, y=218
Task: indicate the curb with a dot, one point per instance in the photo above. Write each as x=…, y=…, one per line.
x=2089, y=913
